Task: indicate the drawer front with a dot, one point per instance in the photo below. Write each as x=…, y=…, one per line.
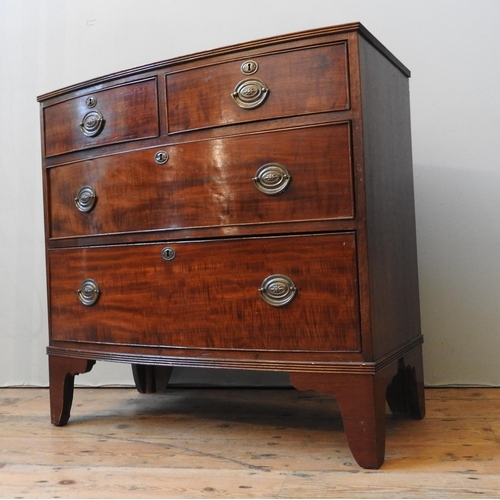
x=294, y=83
x=209, y=183
x=123, y=113
x=211, y=294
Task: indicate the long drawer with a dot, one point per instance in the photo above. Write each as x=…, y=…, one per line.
x=278, y=85
x=104, y=116
x=220, y=182
x=290, y=293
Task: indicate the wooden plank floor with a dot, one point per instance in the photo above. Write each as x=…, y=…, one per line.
x=250, y=443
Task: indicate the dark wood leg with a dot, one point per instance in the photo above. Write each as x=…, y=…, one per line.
x=361, y=399
x=62, y=373
x=405, y=394
x=151, y=378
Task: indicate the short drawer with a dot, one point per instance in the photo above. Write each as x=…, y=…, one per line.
x=312, y=80
x=295, y=293
x=122, y=113
x=213, y=183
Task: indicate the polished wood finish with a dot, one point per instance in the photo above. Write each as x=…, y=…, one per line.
x=150, y=379
x=363, y=410
x=201, y=300
x=233, y=443
x=62, y=373
x=208, y=183
x=336, y=116
x=201, y=98
x=390, y=228
x=117, y=105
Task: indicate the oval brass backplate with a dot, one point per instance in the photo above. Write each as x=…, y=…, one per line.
x=250, y=93
x=272, y=178
x=88, y=293
x=92, y=123
x=85, y=199
x=277, y=290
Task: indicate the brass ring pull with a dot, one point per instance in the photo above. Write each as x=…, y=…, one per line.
x=277, y=290
x=272, y=178
x=92, y=123
x=85, y=199
x=250, y=93
x=88, y=293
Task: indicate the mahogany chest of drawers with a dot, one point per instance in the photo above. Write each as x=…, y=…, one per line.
x=249, y=207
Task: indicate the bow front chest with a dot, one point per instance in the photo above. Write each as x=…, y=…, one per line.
x=248, y=207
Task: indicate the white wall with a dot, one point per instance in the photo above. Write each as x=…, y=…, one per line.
x=453, y=50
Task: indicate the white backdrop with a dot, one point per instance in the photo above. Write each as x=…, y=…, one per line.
x=453, y=50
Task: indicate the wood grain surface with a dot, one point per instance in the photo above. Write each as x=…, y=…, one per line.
x=208, y=296
x=300, y=82
x=129, y=112
x=253, y=443
x=336, y=115
x=208, y=183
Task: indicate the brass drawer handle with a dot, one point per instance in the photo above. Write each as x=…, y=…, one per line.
x=92, y=123
x=250, y=93
x=272, y=178
x=88, y=293
x=85, y=199
x=277, y=290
